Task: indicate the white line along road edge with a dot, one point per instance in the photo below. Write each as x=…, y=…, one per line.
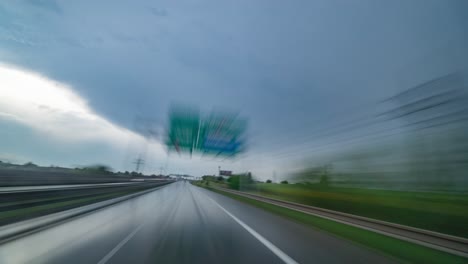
x=280, y=254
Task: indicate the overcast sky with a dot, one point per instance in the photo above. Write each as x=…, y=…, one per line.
x=76, y=75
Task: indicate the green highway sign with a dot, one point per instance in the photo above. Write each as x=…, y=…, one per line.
x=183, y=130
x=218, y=134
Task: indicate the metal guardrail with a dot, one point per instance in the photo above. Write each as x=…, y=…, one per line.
x=23, y=228
x=41, y=188
x=443, y=242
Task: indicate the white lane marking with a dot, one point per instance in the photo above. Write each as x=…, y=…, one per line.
x=120, y=245
x=280, y=254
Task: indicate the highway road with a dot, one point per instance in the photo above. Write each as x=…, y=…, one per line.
x=181, y=223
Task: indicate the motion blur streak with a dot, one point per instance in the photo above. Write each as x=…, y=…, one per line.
x=417, y=140
x=180, y=225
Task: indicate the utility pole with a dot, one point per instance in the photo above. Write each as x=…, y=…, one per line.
x=138, y=163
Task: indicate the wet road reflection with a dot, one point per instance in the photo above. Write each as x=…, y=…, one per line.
x=181, y=223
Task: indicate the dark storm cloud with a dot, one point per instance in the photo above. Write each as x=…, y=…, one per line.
x=287, y=66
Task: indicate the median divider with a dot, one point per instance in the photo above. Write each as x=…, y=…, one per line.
x=23, y=228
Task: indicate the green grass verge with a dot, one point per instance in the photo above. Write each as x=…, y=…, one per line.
x=395, y=248
x=442, y=212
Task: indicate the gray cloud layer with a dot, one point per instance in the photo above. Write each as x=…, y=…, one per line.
x=287, y=66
